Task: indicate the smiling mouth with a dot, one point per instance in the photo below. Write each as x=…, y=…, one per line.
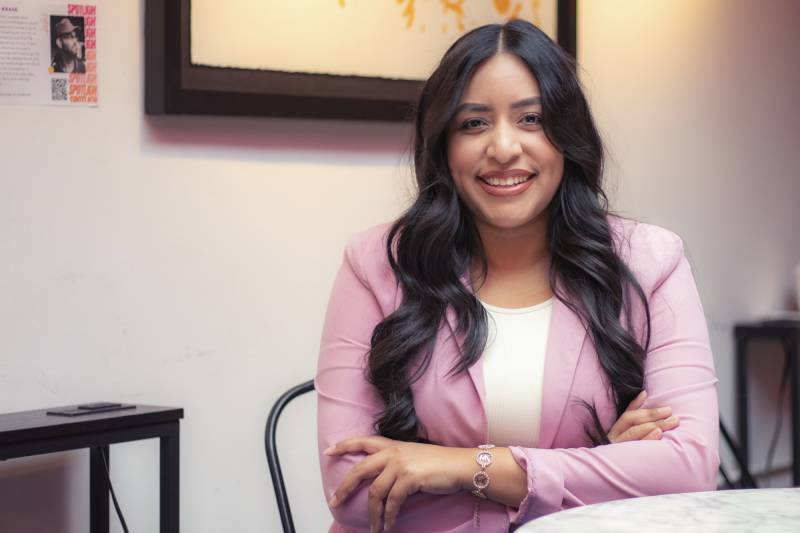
x=507, y=182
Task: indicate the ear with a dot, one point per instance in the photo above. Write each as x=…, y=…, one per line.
x=59, y=44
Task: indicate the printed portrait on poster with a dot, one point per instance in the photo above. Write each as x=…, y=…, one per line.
x=67, y=46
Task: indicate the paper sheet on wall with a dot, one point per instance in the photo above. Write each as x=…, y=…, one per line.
x=48, y=53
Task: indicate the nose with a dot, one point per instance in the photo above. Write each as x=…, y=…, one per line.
x=504, y=145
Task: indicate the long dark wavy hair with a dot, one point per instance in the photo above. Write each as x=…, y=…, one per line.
x=431, y=246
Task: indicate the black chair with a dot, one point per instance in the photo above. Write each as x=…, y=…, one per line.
x=272, y=452
x=745, y=478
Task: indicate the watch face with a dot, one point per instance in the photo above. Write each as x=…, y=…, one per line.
x=484, y=458
x=480, y=480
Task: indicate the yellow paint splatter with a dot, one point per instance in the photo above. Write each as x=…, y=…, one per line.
x=537, y=18
x=408, y=12
x=457, y=8
x=501, y=6
x=455, y=11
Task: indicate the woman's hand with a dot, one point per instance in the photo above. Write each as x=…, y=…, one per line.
x=400, y=469
x=642, y=424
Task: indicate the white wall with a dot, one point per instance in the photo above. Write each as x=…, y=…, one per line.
x=698, y=104
x=186, y=260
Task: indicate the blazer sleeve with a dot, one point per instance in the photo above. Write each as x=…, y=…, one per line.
x=679, y=372
x=346, y=403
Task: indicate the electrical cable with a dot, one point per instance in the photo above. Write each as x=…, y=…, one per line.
x=113, y=496
x=779, y=416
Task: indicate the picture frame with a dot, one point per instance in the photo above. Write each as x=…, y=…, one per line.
x=174, y=85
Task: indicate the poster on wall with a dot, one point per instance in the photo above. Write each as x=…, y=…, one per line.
x=48, y=53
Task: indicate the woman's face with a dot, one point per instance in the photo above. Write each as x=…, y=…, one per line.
x=504, y=166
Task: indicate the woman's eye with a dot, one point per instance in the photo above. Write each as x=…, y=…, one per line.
x=471, y=124
x=532, y=119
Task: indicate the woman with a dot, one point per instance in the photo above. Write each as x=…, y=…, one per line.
x=507, y=309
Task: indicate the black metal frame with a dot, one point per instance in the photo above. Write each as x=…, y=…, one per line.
x=174, y=85
x=273, y=462
x=34, y=433
x=788, y=334
x=745, y=478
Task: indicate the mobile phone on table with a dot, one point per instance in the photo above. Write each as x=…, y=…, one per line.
x=90, y=408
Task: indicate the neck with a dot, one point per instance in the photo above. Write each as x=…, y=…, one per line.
x=517, y=250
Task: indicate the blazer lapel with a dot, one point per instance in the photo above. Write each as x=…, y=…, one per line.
x=475, y=371
x=564, y=346
x=565, y=340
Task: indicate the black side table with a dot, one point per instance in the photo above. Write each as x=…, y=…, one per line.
x=787, y=332
x=35, y=432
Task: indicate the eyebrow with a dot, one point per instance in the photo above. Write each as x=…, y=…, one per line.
x=468, y=106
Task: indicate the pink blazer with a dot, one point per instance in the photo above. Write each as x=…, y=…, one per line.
x=564, y=470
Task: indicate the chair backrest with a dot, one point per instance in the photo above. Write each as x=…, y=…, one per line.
x=272, y=452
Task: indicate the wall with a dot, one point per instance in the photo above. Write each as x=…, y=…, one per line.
x=698, y=103
x=186, y=260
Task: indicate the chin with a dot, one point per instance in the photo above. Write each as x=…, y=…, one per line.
x=509, y=223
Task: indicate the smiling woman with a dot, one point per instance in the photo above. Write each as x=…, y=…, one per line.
x=508, y=348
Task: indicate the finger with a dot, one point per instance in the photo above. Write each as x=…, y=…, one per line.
x=642, y=416
x=368, y=468
x=375, y=496
x=628, y=419
x=399, y=493
x=638, y=401
x=653, y=435
x=669, y=423
x=637, y=432
x=369, y=444
x=642, y=431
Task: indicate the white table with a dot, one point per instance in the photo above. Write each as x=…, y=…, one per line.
x=727, y=511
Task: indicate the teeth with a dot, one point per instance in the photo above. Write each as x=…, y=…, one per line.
x=506, y=182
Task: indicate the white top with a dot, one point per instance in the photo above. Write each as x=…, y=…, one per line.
x=513, y=366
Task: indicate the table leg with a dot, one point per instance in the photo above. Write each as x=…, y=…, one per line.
x=98, y=490
x=170, y=469
x=794, y=398
x=741, y=397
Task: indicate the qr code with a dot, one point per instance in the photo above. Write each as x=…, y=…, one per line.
x=58, y=89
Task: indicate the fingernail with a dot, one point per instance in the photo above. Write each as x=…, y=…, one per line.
x=643, y=394
x=672, y=419
x=333, y=502
x=664, y=410
x=329, y=450
x=658, y=433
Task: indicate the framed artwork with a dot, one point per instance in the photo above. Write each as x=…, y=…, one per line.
x=336, y=59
